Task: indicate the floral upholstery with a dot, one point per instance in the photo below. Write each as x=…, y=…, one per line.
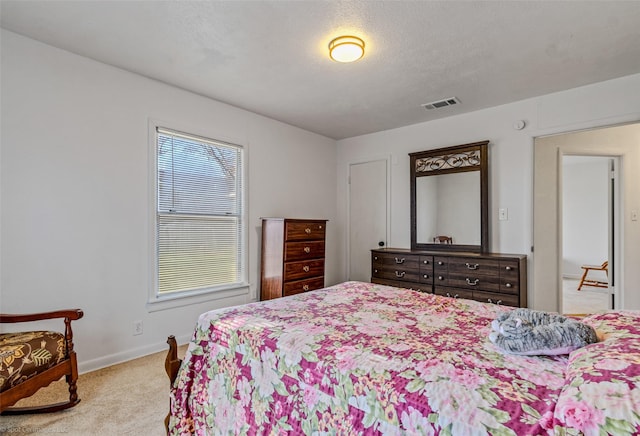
x=25, y=354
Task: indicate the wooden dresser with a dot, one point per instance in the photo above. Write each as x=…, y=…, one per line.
x=487, y=277
x=293, y=253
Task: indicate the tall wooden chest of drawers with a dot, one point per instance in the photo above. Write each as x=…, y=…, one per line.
x=488, y=277
x=293, y=252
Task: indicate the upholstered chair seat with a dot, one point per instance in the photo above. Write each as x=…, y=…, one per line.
x=25, y=354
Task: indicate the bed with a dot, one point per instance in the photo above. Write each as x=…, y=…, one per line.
x=361, y=358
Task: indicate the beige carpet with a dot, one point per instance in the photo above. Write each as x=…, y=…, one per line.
x=131, y=398
x=588, y=300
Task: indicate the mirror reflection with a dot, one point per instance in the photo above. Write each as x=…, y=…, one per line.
x=448, y=206
x=449, y=198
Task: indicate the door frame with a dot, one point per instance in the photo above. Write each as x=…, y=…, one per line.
x=387, y=160
x=614, y=140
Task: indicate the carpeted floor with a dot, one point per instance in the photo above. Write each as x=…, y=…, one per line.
x=131, y=398
x=587, y=300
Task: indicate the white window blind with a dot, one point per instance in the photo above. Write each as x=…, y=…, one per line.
x=200, y=230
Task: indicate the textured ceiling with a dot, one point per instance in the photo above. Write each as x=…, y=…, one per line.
x=270, y=57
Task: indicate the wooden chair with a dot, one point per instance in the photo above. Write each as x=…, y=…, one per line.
x=584, y=281
x=31, y=360
x=443, y=240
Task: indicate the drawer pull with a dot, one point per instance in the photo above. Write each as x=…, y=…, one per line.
x=425, y=276
x=426, y=262
x=499, y=302
x=307, y=250
x=305, y=268
x=399, y=261
x=455, y=296
x=400, y=274
x=375, y=257
x=375, y=271
x=307, y=231
x=440, y=278
x=441, y=263
x=508, y=285
x=508, y=268
x=472, y=283
x=305, y=288
x=473, y=266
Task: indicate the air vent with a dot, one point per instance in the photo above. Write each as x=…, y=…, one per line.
x=441, y=103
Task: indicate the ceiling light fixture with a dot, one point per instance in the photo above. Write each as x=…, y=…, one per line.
x=346, y=49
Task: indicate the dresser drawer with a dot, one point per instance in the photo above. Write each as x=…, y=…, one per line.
x=391, y=272
x=303, y=250
x=473, y=281
x=494, y=298
x=411, y=262
x=509, y=277
x=476, y=267
x=452, y=292
x=303, y=269
x=299, y=286
x=300, y=231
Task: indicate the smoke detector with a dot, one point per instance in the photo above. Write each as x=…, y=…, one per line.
x=441, y=103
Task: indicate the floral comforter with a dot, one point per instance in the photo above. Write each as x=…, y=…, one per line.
x=360, y=358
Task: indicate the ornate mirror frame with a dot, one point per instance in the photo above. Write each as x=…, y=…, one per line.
x=457, y=159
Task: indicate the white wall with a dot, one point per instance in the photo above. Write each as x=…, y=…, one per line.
x=75, y=195
x=510, y=155
x=585, y=214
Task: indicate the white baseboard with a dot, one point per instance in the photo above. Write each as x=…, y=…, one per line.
x=125, y=356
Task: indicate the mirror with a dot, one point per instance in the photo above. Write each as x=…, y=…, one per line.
x=449, y=189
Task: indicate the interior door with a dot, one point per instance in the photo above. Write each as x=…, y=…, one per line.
x=367, y=215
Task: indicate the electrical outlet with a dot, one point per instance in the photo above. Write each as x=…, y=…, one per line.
x=503, y=214
x=634, y=215
x=137, y=328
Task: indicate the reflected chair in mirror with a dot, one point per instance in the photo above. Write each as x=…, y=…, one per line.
x=443, y=240
x=586, y=281
x=30, y=360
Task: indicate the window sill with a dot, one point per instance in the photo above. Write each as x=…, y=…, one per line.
x=196, y=297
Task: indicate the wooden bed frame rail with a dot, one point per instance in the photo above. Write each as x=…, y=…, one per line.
x=171, y=366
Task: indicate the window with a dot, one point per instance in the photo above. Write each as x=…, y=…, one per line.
x=200, y=231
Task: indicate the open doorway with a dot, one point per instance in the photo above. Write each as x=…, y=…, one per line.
x=588, y=215
x=546, y=278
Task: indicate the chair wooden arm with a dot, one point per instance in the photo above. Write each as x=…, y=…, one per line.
x=71, y=314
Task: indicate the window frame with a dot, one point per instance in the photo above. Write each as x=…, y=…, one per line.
x=155, y=300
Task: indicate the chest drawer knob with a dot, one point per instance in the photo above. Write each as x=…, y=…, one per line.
x=307, y=231
x=508, y=268
x=440, y=263
x=399, y=261
x=375, y=271
x=508, y=285
x=305, y=288
x=425, y=276
x=307, y=250
x=426, y=262
x=375, y=257
x=440, y=278
x=472, y=283
x=305, y=268
x=473, y=266
x=400, y=274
